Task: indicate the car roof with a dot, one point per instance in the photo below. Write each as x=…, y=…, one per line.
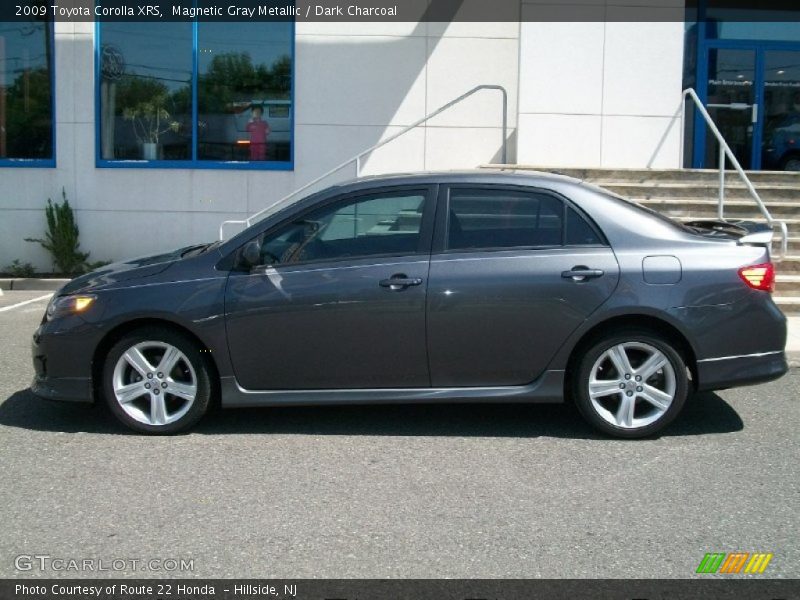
x=508, y=176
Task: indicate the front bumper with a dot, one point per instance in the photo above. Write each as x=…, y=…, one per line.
x=69, y=389
x=733, y=371
x=62, y=358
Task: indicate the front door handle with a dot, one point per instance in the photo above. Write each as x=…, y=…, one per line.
x=399, y=282
x=582, y=273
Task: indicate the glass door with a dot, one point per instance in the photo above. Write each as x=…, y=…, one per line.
x=731, y=100
x=781, y=128
x=752, y=92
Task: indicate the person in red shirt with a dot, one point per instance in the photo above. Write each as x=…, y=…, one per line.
x=258, y=129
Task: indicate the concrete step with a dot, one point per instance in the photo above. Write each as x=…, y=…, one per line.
x=790, y=305
x=768, y=193
x=787, y=284
x=703, y=208
x=789, y=265
x=663, y=175
x=793, y=245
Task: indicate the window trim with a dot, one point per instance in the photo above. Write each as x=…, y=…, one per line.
x=194, y=162
x=42, y=163
x=428, y=191
x=443, y=214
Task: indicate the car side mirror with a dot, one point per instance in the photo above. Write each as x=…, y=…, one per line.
x=251, y=254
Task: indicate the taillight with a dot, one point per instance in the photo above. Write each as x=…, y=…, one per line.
x=759, y=277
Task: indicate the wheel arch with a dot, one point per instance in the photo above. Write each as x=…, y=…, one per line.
x=645, y=322
x=121, y=329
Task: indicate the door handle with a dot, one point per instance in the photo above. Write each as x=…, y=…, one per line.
x=399, y=282
x=581, y=273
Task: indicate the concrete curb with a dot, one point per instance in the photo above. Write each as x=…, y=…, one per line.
x=32, y=284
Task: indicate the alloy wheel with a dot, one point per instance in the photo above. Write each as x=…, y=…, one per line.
x=154, y=383
x=632, y=385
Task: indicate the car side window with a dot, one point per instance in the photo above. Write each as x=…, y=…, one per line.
x=377, y=224
x=486, y=218
x=578, y=231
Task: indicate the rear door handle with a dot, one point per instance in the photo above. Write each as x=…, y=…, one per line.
x=581, y=273
x=400, y=282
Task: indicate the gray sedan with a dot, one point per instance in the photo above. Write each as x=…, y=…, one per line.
x=437, y=287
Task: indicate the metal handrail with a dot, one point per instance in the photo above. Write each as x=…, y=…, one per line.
x=725, y=151
x=358, y=157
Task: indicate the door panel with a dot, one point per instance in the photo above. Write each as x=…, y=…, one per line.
x=340, y=299
x=314, y=327
x=498, y=318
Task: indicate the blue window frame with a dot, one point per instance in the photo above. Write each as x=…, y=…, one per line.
x=195, y=95
x=27, y=91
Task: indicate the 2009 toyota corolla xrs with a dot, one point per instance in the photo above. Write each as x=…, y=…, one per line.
x=451, y=287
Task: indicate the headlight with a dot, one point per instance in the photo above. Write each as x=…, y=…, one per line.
x=69, y=305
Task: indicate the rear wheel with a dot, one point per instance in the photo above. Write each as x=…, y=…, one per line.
x=631, y=384
x=156, y=381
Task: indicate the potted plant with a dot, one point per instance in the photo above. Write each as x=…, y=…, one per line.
x=150, y=120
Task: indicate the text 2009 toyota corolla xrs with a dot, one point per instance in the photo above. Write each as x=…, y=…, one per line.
x=450, y=287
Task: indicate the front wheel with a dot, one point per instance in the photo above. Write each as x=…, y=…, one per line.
x=156, y=381
x=631, y=384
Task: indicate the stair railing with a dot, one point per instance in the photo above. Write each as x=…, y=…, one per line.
x=357, y=159
x=726, y=152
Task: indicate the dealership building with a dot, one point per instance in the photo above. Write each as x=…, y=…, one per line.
x=158, y=132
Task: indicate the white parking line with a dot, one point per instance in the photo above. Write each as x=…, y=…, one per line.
x=18, y=304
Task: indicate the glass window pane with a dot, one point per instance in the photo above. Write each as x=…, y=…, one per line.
x=731, y=95
x=752, y=24
x=781, y=147
x=386, y=224
x=579, y=232
x=503, y=219
x=244, y=91
x=145, y=91
x=26, y=114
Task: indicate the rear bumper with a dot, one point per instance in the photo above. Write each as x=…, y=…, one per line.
x=732, y=371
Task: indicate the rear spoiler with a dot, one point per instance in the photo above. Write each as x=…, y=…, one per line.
x=749, y=233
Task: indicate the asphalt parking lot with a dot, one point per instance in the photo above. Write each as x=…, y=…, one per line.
x=407, y=491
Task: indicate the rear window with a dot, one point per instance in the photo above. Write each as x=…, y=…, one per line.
x=649, y=211
x=486, y=218
x=503, y=219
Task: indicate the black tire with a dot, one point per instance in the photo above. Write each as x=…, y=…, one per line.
x=201, y=378
x=581, y=378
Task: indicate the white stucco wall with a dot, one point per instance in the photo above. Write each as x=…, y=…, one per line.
x=601, y=93
x=354, y=86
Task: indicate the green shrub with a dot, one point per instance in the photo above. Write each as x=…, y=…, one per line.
x=61, y=239
x=20, y=269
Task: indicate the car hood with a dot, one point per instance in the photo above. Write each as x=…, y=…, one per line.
x=114, y=273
